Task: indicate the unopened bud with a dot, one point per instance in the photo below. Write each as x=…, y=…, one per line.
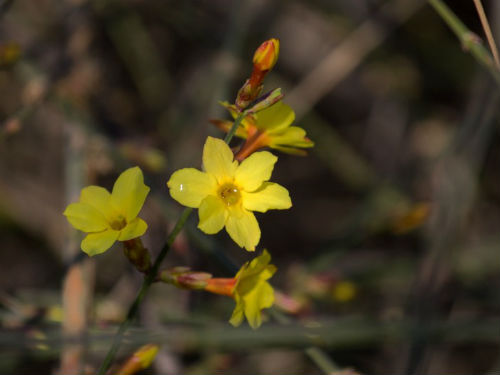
x=137, y=254
x=183, y=277
x=266, y=55
x=250, y=90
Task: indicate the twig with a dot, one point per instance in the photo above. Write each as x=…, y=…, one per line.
x=151, y=276
x=466, y=37
x=487, y=31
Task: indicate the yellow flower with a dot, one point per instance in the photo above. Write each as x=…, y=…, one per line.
x=252, y=292
x=227, y=192
x=269, y=127
x=110, y=217
x=249, y=288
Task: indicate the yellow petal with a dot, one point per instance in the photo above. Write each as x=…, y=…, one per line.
x=218, y=159
x=269, y=196
x=243, y=228
x=213, y=215
x=190, y=186
x=129, y=193
x=275, y=118
x=261, y=297
x=238, y=312
x=134, y=229
x=84, y=217
x=254, y=271
x=293, y=136
x=251, y=274
x=97, y=243
x=100, y=199
x=254, y=170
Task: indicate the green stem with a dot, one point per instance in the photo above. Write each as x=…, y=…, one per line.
x=152, y=274
x=321, y=359
x=233, y=129
x=468, y=39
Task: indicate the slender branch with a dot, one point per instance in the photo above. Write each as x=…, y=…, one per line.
x=322, y=360
x=151, y=276
x=467, y=38
x=487, y=31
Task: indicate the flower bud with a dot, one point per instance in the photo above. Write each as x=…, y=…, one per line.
x=137, y=254
x=183, y=277
x=266, y=55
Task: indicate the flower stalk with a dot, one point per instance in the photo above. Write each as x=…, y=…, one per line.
x=151, y=276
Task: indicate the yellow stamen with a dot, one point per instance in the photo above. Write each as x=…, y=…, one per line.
x=119, y=223
x=230, y=194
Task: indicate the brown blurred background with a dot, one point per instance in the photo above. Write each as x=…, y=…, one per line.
x=388, y=260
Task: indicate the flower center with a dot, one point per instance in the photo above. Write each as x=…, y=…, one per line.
x=230, y=194
x=119, y=223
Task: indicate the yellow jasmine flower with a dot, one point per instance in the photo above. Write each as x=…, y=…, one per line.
x=249, y=288
x=110, y=217
x=227, y=192
x=269, y=127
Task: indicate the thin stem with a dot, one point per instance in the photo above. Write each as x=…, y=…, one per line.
x=487, y=31
x=467, y=38
x=233, y=129
x=152, y=274
x=321, y=359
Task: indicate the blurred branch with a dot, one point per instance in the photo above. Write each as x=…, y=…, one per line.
x=468, y=39
x=341, y=333
x=349, y=54
x=487, y=31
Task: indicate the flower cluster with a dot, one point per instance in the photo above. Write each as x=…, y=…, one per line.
x=229, y=188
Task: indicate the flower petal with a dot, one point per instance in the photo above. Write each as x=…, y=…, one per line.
x=84, y=217
x=243, y=228
x=134, y=229
x=275, y=118
x=99, y=198
x=97, y=243
x=269, y=196
x=294, y=136
x=254, y=170
x=261, y=297
x=213, y=215
x=129, y=193
x=238, y=312
x=190, y=186
x=218, y=159
x=253, y=272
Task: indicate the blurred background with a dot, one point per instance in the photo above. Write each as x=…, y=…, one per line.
x=388, y=261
